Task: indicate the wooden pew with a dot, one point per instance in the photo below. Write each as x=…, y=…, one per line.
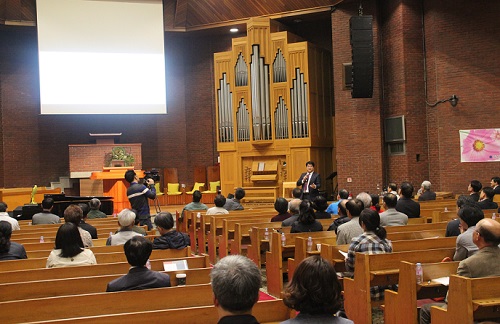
x=100, y=258
x=416, y=227
x=227, y=237
x=84, y=285
x=216, y=230
x=399, y=236
x=242, y=234
x=52, y=308
x=268, y=311
x=95, y=249
x=275, y=266
x=204, y=226
x=469, y=300
x=301, y=250
x=259, y=244
x=380, y=270
x=93, y=270
x=401, y=306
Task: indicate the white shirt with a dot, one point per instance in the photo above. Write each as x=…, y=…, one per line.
x=13, y=222
x=217, y=211
x=86, y=257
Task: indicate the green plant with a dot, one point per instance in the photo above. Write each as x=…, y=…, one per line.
x=119, y=153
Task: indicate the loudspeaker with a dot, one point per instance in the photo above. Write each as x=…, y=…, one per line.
x=361, y=28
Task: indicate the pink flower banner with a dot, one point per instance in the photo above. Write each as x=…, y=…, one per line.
x=480, y=145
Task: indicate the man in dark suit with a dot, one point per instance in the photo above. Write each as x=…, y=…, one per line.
x=426, y=193
x=474, y=188
x=495, y=184
x=405, y=204
x=486, y=199
x=310, y=182
x=138, y=249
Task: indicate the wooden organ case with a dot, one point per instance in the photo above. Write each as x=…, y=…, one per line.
x=273, y=110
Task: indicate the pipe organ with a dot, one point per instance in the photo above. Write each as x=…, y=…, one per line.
x=280, y=88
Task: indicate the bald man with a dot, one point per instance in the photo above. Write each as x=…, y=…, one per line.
x=485, y=263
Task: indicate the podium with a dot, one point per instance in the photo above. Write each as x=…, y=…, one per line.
x=114, y=184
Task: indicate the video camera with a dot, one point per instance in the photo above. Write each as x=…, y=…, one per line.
x=153, y=174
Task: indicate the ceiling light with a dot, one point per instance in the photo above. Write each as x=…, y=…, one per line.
x=234, y=30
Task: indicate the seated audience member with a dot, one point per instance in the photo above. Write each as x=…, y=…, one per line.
x=425, y=192
x=474, y=188
x=482, y=264
x=343, y=218
x=281, y=206
x=453, y=226
x=170, y=238
x=89, y=228
x=294, y=208
x=375, y=203
x=306, y=222
x=372, y=241
x=235, y=203
x=137, y=228
x=391, y=217
x=495, y=184
x=46, y=216
x=296, y=194
x=94, y=212
x=4, y=216
x=486, y=199
x=195, y=204
x=351, y=229
x=314, y=292
x=9, y=250
x=469, y=216
x=393, y=189
x=69, y=250
x=333, y=207
x=320, y=204
x=126, y=220
x=406, y=204
x=138, y=250
x=365, y=198
x=218, y=209
x=236, y=281
x=74, y=214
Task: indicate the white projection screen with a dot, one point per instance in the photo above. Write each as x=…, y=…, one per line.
x=101, y=56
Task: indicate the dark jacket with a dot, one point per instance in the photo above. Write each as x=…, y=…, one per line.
x=299, y=227
x=89, y=228
x=427, y=195
x=488, y=204
x=139, y=278
x=339, y=221
x=409, y=207
x=171, y=240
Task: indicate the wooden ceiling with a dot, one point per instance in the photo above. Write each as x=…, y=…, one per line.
x=192, y=15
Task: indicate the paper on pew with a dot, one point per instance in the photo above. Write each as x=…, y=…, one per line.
x=344, y=254
x=445, y=281
x=175, y=265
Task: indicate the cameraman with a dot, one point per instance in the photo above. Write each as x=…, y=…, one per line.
x=138, y=195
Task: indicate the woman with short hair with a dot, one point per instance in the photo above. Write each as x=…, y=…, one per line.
x=307, y=220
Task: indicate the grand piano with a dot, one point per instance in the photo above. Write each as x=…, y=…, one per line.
x=61, y=201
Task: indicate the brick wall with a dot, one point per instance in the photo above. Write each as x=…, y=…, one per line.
x=92, y=157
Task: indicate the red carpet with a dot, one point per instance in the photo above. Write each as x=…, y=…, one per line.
x=264, y=296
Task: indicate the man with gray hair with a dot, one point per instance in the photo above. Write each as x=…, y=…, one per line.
x=126, y=220
x=365, y=198
x=425, y=192
x=94, y=212
x=236, y=281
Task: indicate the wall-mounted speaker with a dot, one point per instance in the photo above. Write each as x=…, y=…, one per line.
x=361, y=28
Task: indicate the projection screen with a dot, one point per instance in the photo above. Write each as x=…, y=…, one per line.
x=101, y=56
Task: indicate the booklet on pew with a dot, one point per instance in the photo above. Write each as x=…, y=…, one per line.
x=175, y=265
x=445, y=281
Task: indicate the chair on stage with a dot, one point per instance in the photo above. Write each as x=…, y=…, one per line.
x=174, y=196
x=200, y=178
x=213, y=177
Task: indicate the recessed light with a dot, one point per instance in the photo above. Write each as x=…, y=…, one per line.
x=234, y=30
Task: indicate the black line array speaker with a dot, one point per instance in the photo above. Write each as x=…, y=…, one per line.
x=362, y=56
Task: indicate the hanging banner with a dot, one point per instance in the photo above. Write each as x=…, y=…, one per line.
x=480, y=145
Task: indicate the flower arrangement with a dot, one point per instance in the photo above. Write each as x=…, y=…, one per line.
x=119, y=153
